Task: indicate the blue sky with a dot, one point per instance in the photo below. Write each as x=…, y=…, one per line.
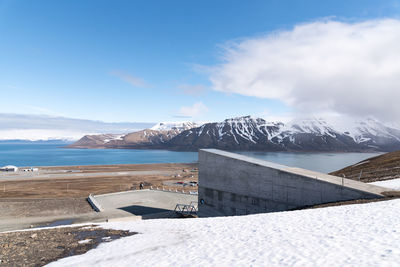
x=150, y=61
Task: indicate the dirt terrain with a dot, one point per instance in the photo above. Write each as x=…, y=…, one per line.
x=39, y=247
x=125, y=167
x=59, y=193
x=380, y=168
x=80, y=181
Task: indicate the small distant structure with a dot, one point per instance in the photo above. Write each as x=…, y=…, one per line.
x=186, y=210
x=30, y=169
x=9, y=168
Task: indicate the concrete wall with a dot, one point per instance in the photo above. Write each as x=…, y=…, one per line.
x=93, y=202
x=232, y=184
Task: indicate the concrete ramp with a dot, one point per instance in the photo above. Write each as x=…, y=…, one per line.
x=144, y=203
x=233, y=184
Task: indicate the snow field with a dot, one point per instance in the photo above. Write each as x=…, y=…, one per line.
x=352, y=235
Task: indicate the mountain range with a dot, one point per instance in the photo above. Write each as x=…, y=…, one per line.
x=248, y=133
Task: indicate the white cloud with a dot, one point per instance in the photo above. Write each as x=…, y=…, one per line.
x=132, y=80
x=324, y=66
x=275, y=117
x=192, y=111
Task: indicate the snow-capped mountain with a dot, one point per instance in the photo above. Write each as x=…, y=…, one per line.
x=154, y=137
x=243, y=133
x=175, y=126
x=313, y=135
x=367, y=134
x=247, y=133
x=374, y=134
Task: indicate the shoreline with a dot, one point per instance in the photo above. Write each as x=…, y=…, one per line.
x=107, y=165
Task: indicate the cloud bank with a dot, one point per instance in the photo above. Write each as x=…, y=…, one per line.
x=42, y=127
x=324, y=66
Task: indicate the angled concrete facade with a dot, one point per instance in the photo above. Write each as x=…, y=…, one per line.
x=233, y=184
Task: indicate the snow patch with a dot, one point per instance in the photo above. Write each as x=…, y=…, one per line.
x=181, y=126
x=392, y=184
x=84, y=241
x=360, y=163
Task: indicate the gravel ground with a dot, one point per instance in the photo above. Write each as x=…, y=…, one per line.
x=66, y=183
x=40, y=247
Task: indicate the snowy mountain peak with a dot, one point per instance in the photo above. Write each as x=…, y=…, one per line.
x=250, y=120
x=309, y=125
x=241, y=119
x=180, y=126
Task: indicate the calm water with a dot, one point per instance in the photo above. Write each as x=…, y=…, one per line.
x=32, y=154
x=322, y=162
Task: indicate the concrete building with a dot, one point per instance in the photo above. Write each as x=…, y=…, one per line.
x=233, y=184
x=9, y=168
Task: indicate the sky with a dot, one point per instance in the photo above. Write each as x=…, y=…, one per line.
x=151, y=61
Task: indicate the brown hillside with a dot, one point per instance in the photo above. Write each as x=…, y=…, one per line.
x=379, y=168
x=147, y=136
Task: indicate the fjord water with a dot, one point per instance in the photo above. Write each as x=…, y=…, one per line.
x=33, y=154
x=54, y=154
x=322, y=162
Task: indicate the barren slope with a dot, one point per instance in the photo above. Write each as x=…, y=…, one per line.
x=383, y=167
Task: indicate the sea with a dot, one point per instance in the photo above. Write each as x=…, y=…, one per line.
x=31, y=154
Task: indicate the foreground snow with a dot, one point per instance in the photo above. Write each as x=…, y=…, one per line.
x=392, y=184
x=358, y=235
